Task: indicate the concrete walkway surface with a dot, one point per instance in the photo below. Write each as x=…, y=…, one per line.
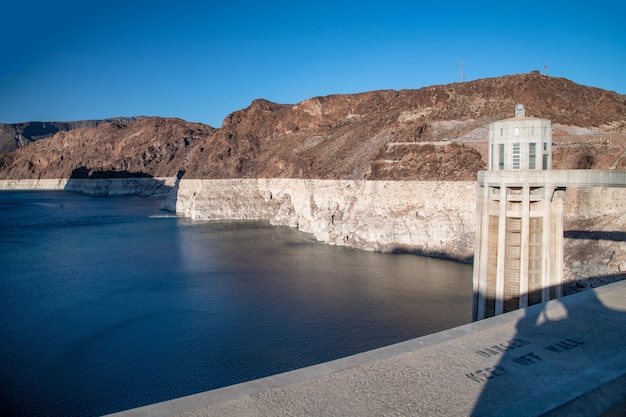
x=563, y=358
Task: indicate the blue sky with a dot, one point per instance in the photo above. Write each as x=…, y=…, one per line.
x=201, y=60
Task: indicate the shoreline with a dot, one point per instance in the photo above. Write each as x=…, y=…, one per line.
x=416, y=217
x=157, y=187
x=424, y=218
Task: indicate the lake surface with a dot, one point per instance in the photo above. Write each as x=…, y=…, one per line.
x=108, y=303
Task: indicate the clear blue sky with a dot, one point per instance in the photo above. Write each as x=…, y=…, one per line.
x=201, y=60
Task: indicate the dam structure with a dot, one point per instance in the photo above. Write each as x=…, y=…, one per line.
x=518, y=258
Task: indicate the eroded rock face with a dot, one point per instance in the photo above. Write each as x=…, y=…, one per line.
x=148, y=147
x=14, y=136
x=433, y=218
x=154, y=187
x=392, y=135
x=594, y=236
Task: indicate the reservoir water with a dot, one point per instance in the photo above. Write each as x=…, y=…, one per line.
x=108, y=303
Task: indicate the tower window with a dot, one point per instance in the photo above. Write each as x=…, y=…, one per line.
x=516, y=156
x=501, y=156
x=532, y=155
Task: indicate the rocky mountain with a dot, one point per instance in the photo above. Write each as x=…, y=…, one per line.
x=432, y=133
x=13, y=136
x=124, y=148
x=397, y=134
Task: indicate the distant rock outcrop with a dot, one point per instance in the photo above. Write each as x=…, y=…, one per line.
x=13, y=136
x=148, y=146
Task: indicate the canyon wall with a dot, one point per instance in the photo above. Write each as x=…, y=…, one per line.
x=153, y=187
x=432, y=218
x=594, y=246
x=423, y=217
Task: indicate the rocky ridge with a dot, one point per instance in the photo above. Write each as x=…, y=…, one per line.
x=410, y=134
x=14, y=136
x=435, y=136
x=146, y=147
x=433, y=133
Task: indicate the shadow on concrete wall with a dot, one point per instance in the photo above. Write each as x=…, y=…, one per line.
x=537, y=364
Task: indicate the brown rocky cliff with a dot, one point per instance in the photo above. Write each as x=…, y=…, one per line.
x=14, y=136
x=433, y=133
x=145, y=147
x=401, y=134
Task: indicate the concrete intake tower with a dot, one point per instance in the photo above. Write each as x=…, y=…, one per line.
x=519, y=223
x=518, y=258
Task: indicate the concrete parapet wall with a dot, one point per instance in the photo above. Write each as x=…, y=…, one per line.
x=565, y=357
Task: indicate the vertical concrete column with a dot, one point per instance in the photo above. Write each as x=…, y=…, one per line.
x=558, y=236
x=476, y=270
x=547, y=266
x=481, y=253
x=499, y=302
x=524, y=247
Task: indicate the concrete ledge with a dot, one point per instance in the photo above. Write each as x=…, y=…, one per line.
x=568, y=355
x=557, y=177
